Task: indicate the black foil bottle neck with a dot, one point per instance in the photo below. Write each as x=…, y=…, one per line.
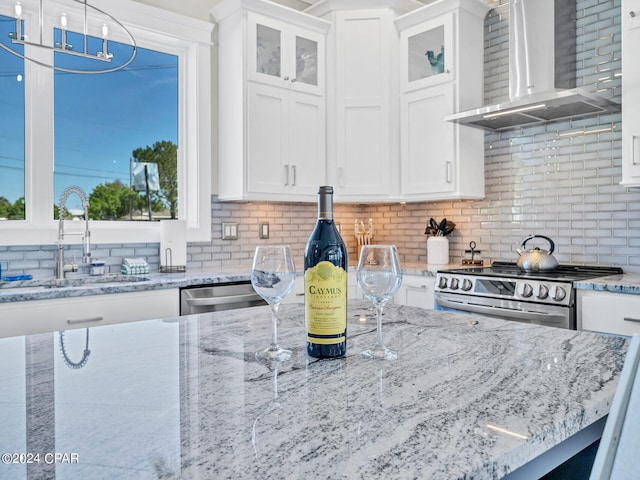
x=325, y=203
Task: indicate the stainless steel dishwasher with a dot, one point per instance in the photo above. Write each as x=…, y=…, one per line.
x=218, y=297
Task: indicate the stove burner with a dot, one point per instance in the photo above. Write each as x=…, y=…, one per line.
x=568, y=273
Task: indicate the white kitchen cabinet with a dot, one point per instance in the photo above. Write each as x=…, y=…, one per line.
x=284, y=54
x=271, y=91
x=608, y=312
x=38, y=316
x=441, y=72
x=285, y=153
x=363, y=135
x=416, y=291
x=630, y=93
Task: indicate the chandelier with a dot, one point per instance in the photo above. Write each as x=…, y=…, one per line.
x=63, y=46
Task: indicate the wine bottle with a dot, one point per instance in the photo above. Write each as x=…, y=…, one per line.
x=325, y=284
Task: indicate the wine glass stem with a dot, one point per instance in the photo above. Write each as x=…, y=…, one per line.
x=274, y=329
x=379, y=308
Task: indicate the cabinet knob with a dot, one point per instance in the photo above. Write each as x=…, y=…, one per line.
x=294, y=80
x=286, y=79
x=632, y=14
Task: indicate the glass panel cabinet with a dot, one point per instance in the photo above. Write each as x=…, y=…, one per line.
x=427, y=54
x=268, y=48
x=441, y=67
x=285, y=55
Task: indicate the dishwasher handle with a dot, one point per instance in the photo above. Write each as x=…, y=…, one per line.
x=211, y=301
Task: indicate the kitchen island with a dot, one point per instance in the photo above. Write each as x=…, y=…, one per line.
x=468, y=397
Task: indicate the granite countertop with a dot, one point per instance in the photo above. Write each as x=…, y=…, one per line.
x=625, y=283
x=83, y=285
x=185, y=398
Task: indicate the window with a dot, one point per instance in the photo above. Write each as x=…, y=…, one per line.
x=116, y=137
x=89, y=130
x=11, y=130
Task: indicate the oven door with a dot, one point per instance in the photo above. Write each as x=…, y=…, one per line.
x=538, y=314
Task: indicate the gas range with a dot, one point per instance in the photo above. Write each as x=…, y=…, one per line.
x=503, y=290
x=507, y=280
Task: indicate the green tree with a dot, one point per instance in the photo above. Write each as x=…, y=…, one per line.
x=16, y=212
x=5, y=206
x=109, y=201
x=165, y=154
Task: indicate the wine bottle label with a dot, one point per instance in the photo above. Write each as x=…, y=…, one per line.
x=325, y=303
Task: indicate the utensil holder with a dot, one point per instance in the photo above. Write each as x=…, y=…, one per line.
x=437, y=251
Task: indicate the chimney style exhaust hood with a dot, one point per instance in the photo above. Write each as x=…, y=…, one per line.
x=542, y=77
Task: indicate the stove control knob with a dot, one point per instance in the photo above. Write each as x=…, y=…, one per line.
x=453, y=285
x=466, y=285
x=442, y=283
x=541, y=291
x=558, y=293
x=525, y=290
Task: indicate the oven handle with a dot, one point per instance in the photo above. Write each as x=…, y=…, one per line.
x=208, y=301
x=500, y=312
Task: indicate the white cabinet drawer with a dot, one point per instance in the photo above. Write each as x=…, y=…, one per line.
x=37, y=316
x=416, y=291
x=608, y=312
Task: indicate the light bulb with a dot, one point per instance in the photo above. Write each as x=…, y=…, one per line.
x=105, y=30
x=18, y=9
x=63, y=21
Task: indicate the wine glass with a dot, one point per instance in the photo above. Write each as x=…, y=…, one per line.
x=272, y=276
x=379, y=277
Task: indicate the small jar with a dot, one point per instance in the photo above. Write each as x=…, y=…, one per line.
x=97, y=268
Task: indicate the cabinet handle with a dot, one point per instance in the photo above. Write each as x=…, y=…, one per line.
x=293, y=169
x=85, y=320
x=629, y=319
x=449, y=172
x=634, y=138
x=286, y=181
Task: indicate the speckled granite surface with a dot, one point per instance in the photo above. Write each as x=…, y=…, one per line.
x=626, y=283
x=184, y=398
x=79, y=286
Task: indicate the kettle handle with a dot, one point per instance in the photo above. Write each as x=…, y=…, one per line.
x=552, y=245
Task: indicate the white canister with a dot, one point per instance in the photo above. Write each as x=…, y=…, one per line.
x=437, y=251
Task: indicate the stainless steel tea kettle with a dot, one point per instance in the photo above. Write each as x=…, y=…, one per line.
x=536, y=260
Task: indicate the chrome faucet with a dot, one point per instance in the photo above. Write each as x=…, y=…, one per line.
x=61, y=268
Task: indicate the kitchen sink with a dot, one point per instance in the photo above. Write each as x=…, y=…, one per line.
x=79, y=281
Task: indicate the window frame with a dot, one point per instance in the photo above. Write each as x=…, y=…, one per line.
x=187, y=38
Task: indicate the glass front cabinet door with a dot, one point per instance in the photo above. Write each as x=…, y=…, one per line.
x=427, y=54
x=284, y=55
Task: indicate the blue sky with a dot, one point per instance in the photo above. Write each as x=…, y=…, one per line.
x=99, y=119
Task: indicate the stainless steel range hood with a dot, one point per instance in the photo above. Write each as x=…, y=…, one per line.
x=542, y=77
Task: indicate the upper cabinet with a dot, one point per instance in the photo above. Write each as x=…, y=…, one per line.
x=285, y=55
x=362, y=78
x=271, y=96
x=352, y=94
x=423, y=62
x=630, y=94
x=441, y=72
